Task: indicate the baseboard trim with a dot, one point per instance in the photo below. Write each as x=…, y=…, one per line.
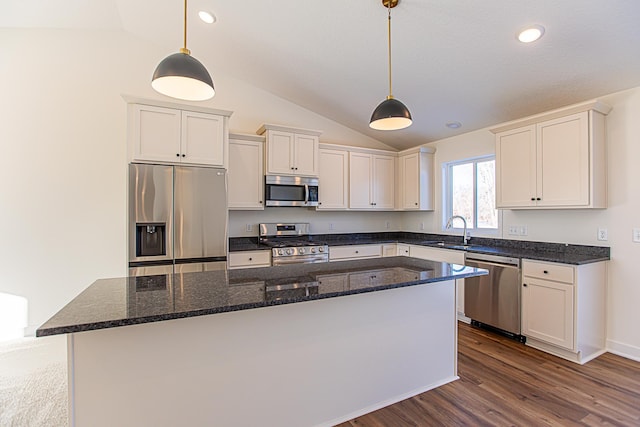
x=624, y=350
x=388, y=402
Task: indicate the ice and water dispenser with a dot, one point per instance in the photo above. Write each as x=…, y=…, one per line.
x=151, y=239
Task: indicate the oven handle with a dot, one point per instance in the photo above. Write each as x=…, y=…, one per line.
x=306, y=194
x=301, y=260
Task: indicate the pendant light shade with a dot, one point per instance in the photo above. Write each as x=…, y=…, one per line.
x=391, y=114
x=182, y=76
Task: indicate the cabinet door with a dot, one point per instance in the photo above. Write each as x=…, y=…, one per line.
x=516, y=168
x=246, y=179
x=305, y=155
x=383, y=182
x=547, y=311
x=563, y=161
x=360, y=181
x=410, y=181
x=279, y=153
x=202, y=139
x=156, y=133
x=333, y=171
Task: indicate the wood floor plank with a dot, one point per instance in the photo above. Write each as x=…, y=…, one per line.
x=505, y=383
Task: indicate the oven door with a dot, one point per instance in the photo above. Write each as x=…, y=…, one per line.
x=291, y=191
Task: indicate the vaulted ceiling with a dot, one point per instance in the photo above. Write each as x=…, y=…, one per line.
x=453, y=60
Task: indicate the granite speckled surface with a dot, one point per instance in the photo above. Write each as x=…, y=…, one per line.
x=110, y=303
x=540, y=251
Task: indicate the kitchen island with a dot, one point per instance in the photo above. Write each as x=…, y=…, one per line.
x=299, y=345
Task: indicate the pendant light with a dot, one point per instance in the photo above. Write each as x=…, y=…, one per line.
x=182, y=76
x=391, y=114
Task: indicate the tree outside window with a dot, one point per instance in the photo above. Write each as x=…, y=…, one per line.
x=470, y=193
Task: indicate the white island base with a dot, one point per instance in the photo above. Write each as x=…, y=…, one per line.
x=314, y=363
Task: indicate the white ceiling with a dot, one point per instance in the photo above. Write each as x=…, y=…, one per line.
x=453, y=60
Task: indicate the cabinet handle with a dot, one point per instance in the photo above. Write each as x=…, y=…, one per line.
x=292, y=168
x=416, y=203
x=184, y=155
x=177, y=154
x=538, y=198
x=250, y=259
x=260, y=202
x=357, y=252
x=319, y=203
x=545, y=272
x=533, y=199
x=524, y=284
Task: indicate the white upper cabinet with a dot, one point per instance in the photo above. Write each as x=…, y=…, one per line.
x=246, y=174
x=415, y=179
x=291, y=151
x=333, y=191
x=371, y=181
x=556, y=160
x=174, y=133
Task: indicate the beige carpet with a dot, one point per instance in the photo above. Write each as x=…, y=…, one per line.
x=33, y=382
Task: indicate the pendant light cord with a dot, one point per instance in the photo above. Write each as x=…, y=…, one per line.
x=184, y=48
x=389, y=42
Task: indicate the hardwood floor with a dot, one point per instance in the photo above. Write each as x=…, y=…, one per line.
x=505, y=383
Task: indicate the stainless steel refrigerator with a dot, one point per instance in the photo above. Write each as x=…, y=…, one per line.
x=177, y=219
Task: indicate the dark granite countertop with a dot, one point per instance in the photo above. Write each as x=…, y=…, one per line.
x=110, y=303
x=540, y=251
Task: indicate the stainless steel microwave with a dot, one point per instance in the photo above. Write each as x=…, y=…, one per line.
x=290, y=191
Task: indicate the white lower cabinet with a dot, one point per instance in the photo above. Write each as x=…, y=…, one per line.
x=390, y=249
x=338, y=253
x=563, y=308
x=249, y=259
x=444, y=255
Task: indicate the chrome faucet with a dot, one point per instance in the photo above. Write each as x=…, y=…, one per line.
x=465, y=238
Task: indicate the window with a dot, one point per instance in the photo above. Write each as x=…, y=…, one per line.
x=469, y=191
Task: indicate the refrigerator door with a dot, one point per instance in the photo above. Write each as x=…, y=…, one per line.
x=200, y=214
x=150, y=213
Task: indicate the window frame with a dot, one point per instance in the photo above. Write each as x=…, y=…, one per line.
x=447, y=200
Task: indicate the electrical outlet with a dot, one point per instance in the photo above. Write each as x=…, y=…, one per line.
x=602, y=234
x=330, y=226
x=387, y=225
x=514, y=230
x=422, y=226
x=636, y=235
x=523, y=230
x=249, y=227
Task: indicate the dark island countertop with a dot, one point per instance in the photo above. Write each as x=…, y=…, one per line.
x=563, y=253
x=110, y=303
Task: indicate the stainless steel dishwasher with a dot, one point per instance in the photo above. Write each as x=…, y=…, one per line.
x=494, y=300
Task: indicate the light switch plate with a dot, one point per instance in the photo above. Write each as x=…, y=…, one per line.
x=514, y=230
x=636, y=235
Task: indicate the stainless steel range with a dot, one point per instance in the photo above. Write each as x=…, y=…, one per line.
x=292, y=244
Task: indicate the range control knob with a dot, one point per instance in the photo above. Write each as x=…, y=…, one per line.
x=321, y=249
x=289, y=251
x=313, y=250
x=301, y=251
x=280, y=252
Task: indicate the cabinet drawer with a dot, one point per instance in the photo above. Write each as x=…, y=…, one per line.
x=250, y=259
x=355, y=251
x=547, y=271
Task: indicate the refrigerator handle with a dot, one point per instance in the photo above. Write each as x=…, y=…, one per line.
x=306, y=194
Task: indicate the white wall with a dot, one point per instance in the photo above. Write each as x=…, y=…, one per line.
x=63, y=178
x=321, y=222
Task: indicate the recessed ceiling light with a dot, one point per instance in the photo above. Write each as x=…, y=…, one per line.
x=207, y=17
x=454, y=125
x=531, y=34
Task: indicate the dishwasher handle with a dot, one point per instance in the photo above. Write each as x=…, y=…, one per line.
x=494, y=260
